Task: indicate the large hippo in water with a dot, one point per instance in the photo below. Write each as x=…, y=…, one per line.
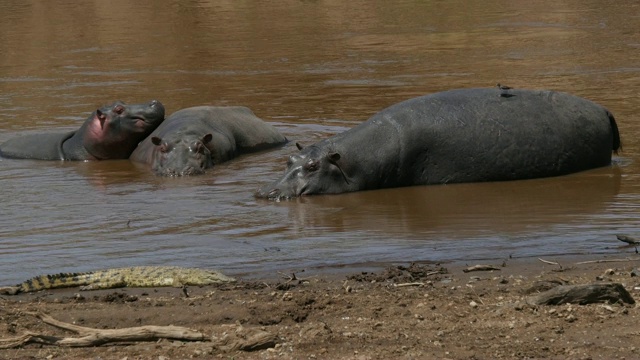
x=467, y=135
x=192, y=140
x=110, y=132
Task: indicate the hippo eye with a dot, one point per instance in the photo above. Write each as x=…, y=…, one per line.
x=198, y=148
x=118, y=109
x=311, y=166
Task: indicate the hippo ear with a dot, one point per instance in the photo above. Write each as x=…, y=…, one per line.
x=299, y=146
x=207, y=138
x=156, y=140
x=334, y=157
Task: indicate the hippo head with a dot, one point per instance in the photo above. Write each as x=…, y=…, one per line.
x=312, y=171
x=182, y=155
x=114, y=131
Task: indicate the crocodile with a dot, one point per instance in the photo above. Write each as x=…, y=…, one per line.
x=137, y=276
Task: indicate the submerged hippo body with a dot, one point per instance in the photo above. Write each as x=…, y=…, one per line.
x=192, y=140
x=111, y=132
x=468, y=135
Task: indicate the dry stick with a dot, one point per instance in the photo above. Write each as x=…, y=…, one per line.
x=606, y=261
x=550, y=262
x=94, y=337
x=481, y=268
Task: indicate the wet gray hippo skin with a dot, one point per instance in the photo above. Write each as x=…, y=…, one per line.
x=110, y=132
x=192, y=140
x=468, y=135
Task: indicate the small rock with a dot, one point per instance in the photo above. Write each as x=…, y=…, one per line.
x=635, y=272
x=609, y=272
x=608, y=308
x=473, y=304
x=314, y=330
x=246, y=339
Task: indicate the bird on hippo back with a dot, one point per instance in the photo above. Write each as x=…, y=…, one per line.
x=466, y=135
x=110, y=132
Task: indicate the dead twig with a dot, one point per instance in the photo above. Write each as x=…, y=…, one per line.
x=410, y=284
x=481, y=268
x=606, y=261
x=551, y=263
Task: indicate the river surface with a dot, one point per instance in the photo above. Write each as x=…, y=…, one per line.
x=312, y=68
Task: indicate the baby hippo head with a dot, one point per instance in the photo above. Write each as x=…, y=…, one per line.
x=182, y=155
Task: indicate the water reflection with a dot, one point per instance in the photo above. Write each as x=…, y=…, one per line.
x=464, y=209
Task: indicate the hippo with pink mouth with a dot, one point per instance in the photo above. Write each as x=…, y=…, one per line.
x=468, y=135
x=110, y=132
x=194, y=139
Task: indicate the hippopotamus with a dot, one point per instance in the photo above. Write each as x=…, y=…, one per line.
x=192, y=140
x=457, y=136
x=110, y=132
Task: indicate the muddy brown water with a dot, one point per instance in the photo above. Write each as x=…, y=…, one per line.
x=313, y=68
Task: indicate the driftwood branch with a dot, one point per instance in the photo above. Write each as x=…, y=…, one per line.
x=549, y=262
x=481, y=268
x=96, y=337
x=583, y=294
x=552, y=263
x=606, y=261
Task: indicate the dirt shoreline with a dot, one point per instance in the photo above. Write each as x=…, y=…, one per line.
x=409, y=310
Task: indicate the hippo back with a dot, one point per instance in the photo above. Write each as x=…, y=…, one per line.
x=489, y=135
x=36, y=146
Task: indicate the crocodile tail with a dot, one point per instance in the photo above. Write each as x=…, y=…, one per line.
x=617, y=144
x=51, y=281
